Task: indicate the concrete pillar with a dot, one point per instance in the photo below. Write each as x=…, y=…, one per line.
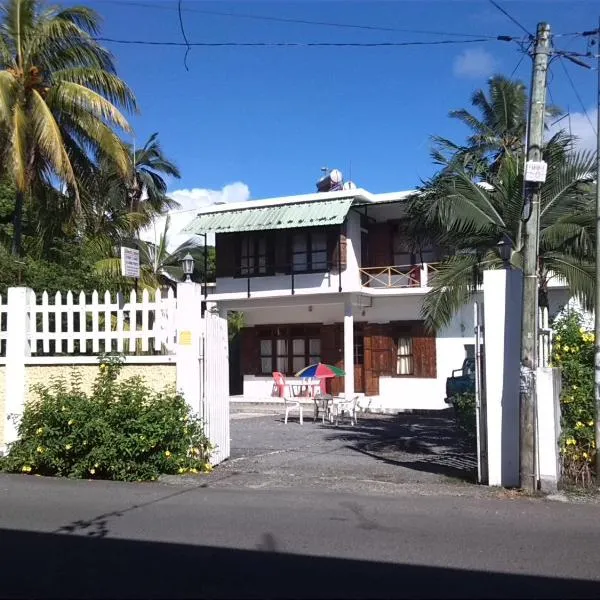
x=548, y=387
x=348, y=348
x=18, y=347
x=189, y=344
x=502, y=293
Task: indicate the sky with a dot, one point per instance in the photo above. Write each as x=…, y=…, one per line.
x=247, y=123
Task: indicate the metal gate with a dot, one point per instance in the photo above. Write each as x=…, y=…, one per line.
x=480, y=396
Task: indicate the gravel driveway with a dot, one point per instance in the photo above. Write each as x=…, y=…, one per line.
x=378, y=454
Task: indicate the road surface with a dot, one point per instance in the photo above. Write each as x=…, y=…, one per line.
x=63, y=538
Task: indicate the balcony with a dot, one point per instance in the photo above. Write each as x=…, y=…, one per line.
x=397, y=276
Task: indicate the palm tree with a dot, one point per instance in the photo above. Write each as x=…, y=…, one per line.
x=498, y=131
x=60, y=99
x=471, y=218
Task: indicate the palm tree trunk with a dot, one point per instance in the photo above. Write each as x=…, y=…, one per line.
x=18, y=224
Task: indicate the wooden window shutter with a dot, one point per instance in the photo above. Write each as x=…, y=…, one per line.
x=424, y=352
x=250, y=351
x=336, y=245
x=380, y=245
x=225, y=254
x=281, y=251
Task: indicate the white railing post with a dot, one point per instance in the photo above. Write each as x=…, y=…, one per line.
x=189, y=343
x=424, y=275
x=18, y=347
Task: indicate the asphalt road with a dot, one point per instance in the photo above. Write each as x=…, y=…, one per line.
x=97, y=539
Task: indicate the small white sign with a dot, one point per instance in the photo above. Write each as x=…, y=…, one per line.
x=130, y=262
x=536, y=171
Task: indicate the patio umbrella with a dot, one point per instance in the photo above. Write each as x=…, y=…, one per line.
x=321, y=371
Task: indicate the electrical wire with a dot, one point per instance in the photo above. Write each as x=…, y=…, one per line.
x=299, y=44
x=298, y=21
x=507, y=14
x=524, y=53
x=187, y=43
x=585, y=112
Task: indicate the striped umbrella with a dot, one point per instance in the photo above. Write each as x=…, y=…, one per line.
x=321, y=371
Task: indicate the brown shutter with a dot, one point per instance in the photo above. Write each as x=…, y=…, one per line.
x=225, y=253
x=331, y=354
x=380, y=245
x=281, y=250
x=424, y=352
x=250, y=351
x=379, y=356
x=336, y=244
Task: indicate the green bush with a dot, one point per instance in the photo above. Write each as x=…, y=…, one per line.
x=573, y=353
x=464, y=406
x=122, y=431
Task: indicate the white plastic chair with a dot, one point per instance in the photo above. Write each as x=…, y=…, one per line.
x=289, y=401
x=341, y=406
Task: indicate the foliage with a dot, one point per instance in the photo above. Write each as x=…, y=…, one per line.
x=122, y=431
x=60, y=101
x=464, y=407
x=470, y=219
x=573, y=353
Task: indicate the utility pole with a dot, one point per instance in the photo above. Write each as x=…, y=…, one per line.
x=534, y=177
x=597, y=299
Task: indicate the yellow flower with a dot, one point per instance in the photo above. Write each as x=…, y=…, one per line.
x=557, y=356
x=40, y=449
x=208, y=467
x=181, y=470
x=92, y=471
x=585, y=455
x=575, y=349
x=96, y=465
x=63, y=407
x=579, y=425
x=40, y=430
x=70, y=422
x=167, y=454
x=103, y=368
x=68, y=447
x=558, y=338
x=193, y=470
x=26, y=469
x=574, y=387
x=566, y=348
x=590, y=422
x=571, y=442
x=582, y=330
x=557, y=346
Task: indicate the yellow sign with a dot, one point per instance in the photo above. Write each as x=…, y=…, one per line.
x=185, y=338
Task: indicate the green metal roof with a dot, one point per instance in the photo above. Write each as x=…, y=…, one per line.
x=283, y=216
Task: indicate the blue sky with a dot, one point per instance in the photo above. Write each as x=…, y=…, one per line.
x=270, y=118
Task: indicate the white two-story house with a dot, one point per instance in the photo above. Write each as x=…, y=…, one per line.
x=332, y=277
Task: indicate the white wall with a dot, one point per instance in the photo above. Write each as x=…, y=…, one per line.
x=394, y=393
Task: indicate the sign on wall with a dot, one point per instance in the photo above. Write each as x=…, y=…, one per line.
x=130, y=262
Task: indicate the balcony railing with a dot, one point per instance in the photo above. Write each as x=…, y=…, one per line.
x=397, y=276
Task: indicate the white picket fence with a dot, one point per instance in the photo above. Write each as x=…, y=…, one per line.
x=69, y=324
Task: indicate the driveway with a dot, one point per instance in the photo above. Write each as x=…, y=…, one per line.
x=378, y=454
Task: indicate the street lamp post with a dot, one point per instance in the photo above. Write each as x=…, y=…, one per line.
x=187, y=263
x=505, y=250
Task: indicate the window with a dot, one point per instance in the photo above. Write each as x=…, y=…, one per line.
x=407, y=251
x=309, y=251
x=359, y=350
x=253, y=254
x=287, y=352
x=404, y=356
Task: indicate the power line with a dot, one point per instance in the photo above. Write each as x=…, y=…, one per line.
x=585, y=112
x=524, y=53
x=505, y=13
x=299, y=21
x=300, y=44
x=187, y=43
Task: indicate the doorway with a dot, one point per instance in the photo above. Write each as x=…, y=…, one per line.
x=359, y=362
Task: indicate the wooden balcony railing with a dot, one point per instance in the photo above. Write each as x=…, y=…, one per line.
x=397, y=276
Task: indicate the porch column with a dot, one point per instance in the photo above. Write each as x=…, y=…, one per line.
x=348, y=348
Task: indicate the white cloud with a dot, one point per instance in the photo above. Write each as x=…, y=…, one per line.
x=579, y=126
x=190, y=201
x=474, y=63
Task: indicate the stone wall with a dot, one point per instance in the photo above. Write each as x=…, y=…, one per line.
x=156, y=376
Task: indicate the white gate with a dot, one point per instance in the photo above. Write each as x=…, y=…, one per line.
x=214, y=373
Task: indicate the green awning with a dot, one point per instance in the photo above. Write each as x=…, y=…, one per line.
x=283, y=216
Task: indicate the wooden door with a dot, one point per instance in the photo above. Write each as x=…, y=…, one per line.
x=331, y=354
x=359, y=362
x=378, y=362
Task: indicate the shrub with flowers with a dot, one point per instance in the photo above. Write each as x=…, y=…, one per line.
x=122, y=431
x=573, y=353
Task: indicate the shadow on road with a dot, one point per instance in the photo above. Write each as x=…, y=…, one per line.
x=47, y=565
x=433, y=443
